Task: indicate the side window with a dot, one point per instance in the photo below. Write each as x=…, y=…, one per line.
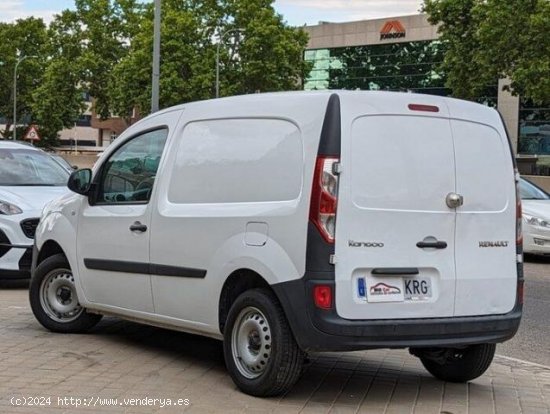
x=129, y=174
x=237, y=161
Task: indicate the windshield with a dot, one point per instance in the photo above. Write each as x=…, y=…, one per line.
x=529, y=191
x=24, y=167
x=64, y=163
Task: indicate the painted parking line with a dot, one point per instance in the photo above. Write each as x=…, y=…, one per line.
x=533, y=364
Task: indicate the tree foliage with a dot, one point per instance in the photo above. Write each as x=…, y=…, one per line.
x=258, y=52
x=108, y=27
x=103, y=48
x=27, y=37
x=491, y=39
x=57, y=102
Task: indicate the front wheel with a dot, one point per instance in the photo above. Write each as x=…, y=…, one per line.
x=53, y=298
x=260, y=351
x=461, y=365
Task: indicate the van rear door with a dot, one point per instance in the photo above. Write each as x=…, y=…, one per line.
x=395, y=234
x=486, y=265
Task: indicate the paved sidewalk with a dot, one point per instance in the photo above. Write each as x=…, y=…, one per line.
x=125, y=360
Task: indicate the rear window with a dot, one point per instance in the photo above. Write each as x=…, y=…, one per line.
x=484, y=171
x=402, y=163
x=237, y=161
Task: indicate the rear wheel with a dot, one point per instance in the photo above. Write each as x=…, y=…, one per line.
x=53, y=298
x=460, y=365
x=260, y=352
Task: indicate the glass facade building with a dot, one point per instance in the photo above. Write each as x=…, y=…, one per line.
x=405, y=53
x=397, y=66
x=405, y=66
x=534, y=128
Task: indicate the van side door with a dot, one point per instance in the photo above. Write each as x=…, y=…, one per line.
x=113, y=233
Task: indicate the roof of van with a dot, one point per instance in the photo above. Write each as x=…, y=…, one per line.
x=325, y=93
x=371, y=102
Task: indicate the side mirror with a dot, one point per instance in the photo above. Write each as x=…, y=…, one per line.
x=80, y=181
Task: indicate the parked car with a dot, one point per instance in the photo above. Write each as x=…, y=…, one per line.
x=296, y=222
x=64, y=163
x=29, y=178
x=536, y=218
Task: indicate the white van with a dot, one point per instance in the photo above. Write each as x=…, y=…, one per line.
x=295, y=222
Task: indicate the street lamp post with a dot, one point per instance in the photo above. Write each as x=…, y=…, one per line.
x=19, y=60
x=156, y=59
x=222, y=36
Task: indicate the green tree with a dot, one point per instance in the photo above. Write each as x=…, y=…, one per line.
x=58, y=100
x=490, y=39
x=108, y=28
x=84, y=46
x=27, y=37
x=268, y=55
x=259, y=53
x=184, y=62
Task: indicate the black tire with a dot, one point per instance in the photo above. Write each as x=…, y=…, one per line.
x=81, y=322
x=462, y=365
x=284, y=365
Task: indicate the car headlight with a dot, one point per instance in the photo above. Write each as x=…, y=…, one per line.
x=9, y=209
x=536, y=221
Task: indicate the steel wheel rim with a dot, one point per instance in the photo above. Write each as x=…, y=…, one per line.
x=58, y=296
x=251, y=342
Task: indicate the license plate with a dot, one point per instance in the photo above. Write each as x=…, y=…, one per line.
x=394, y=289
x=417, y=288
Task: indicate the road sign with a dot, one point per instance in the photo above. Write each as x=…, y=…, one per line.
x=32, y=134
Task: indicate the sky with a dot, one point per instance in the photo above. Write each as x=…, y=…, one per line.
x=295, y=12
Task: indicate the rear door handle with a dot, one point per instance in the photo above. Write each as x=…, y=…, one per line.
x=138, y=227
x=382, y=271
x=432, y=245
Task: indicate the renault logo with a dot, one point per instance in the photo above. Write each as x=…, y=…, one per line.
x=493, y=244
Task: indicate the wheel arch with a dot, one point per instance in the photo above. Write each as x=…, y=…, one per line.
x=237, y=282
x=49, y=248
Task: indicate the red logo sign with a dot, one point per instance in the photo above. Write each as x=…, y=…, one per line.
x=393, y=29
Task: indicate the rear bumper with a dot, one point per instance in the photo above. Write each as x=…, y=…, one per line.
x=324, y=330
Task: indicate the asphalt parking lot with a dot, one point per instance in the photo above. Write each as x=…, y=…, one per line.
x=125, y=367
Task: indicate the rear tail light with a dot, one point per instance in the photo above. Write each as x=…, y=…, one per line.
x=520, y=292
x=519, y=232
x=324, y=197
x=322, y=296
